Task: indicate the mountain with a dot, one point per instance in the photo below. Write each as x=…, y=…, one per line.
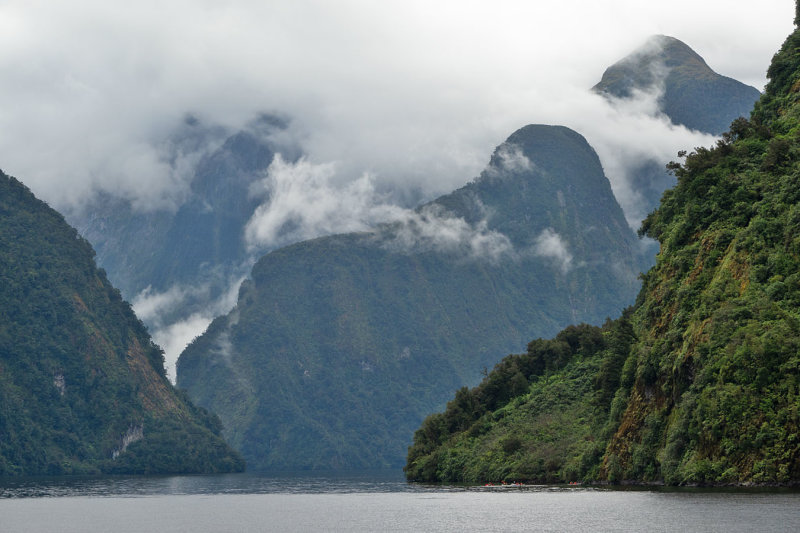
x=195, y=251
x=339, y=346
x=697, y=383
x=82, y=387
x=689, y=93
x=182, y=260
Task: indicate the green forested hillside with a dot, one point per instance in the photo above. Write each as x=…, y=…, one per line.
x=699, y=381
x=82, y=387
x=339, y=346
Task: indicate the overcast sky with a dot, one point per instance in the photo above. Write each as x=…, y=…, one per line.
x=414, y=93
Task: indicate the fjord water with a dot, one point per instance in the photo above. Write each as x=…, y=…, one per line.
x=374, y=501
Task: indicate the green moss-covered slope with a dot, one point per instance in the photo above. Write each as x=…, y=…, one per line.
x=82, y=387
x=699, y=382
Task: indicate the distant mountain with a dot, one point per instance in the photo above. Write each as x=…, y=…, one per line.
x=198, y=247
x=340, y=345
x=692, y=95
x=82, y=387
x=689, y=93
x=195, y=252
x=697, y=383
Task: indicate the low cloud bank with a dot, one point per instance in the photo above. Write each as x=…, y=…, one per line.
x=305, y=200
x=94, y=92
x=171, y=326
x=433, y=229
x=550, y=245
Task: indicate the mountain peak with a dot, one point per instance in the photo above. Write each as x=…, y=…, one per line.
x=363, y=334
x=690, y=93
x=649, y=65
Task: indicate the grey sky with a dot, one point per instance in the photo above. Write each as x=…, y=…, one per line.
x=414, y=93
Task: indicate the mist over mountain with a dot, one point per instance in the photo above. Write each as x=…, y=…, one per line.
x=82, y=387
x=178, y=263
x=339, y=345
x=686, y=90
x=235, y=194
x=690, y=93
x=253, y=190
x=697, y=383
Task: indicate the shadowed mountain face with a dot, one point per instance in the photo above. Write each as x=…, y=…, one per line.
x=692, y=94
x=82, y=387
x=339, y=346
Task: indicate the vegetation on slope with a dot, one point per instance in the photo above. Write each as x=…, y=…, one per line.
x=537, y=416
x=82, y=387
x=707, y=392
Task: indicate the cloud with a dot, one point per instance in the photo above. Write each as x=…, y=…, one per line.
x=416, y=95
x=433, y=229
x=510, y=160
x=549, y=244
x=173, y=324
x=175, y=337
x=304, y=200
x=628, y=134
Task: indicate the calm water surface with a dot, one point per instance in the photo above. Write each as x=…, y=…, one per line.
x=373, y=501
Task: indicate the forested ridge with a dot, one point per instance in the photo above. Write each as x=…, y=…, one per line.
x=698, y=382
x=82, y=387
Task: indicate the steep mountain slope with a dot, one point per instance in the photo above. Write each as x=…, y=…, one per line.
x=689, y=93
x=82, y=387
x=698, y=382
x=340, y=345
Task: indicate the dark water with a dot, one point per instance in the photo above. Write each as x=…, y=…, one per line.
x=374, y=501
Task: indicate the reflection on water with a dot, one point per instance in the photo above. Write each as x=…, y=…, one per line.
x=247, y=483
